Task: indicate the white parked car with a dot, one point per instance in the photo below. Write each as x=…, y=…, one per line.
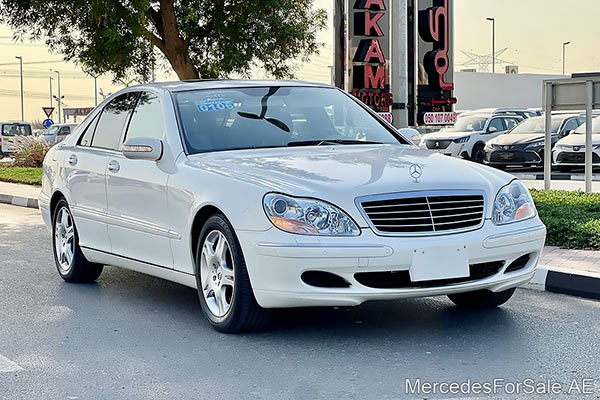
x=273, y=194
x=11, y=130
x=569, y=151
x=57, y=132
x=468, y=137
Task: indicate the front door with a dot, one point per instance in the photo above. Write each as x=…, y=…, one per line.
x=138, y=223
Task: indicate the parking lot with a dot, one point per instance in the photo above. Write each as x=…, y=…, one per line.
x=134, y=336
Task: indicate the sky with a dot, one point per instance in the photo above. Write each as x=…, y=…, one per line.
x=532, y=31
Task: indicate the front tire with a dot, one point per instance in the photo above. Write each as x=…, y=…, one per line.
x=70, y=261
x=478, y=153
x=481, y=298
x=224, y=287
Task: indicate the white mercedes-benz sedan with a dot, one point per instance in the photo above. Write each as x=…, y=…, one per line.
x=278, y=194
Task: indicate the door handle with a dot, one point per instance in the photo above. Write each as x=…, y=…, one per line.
x=114, y=166
x=72, y=159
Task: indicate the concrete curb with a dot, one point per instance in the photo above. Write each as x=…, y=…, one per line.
x=574, y=283
x=18, y=201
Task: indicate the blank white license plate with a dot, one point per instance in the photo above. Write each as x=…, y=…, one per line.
x=433, y=263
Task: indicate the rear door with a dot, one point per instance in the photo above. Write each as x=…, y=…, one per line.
x=85, y=170
x=138, y=222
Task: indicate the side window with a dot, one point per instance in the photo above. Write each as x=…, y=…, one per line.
x=112, y=121
x=511, y=123
x=65, y=130
x=496, y=123
x=147, y=119
x=86, y=138
x=570, y=125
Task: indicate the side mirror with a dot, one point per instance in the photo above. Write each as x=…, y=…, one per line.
x=411, y=134
x=492, y=129
x=567, y=133
x=143, y=149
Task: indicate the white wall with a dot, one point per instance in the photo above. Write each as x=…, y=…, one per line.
x=484, y=90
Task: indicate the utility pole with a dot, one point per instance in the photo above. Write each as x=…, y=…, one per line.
x=22, y=90
x=565, y=44
x=493, y=44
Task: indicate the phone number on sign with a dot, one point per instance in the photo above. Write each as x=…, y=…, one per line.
x=440, y=118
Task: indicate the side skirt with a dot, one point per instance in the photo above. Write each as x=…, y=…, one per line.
x=104, y=258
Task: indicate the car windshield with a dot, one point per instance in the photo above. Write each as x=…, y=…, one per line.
x=16, y=130
x=52, y=130
x=261, y=117
x=467, y=124
x=595, y=127
x=536, y=125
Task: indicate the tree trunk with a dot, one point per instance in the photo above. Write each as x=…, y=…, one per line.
x=172, y=44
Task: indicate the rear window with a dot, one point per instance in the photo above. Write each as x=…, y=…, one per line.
x=16, y=130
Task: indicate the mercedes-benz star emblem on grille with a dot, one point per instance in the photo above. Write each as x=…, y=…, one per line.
x=576, y=148
x=415, y=172
x=506, y=147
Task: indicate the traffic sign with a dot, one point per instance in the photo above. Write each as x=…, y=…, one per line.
x=48, y=111
x=48, y=123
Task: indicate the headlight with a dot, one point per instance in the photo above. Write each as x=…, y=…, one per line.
x=308, y=216
x=596, y=146
x=535, y=145
x=513, y=203
x=462, y=139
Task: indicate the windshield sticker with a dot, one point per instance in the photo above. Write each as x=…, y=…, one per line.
x=215, y=105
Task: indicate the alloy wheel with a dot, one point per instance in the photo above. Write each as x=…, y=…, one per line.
x=64, y=239
x=217, y=274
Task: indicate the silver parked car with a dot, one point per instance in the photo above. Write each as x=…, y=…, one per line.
x=58, y=132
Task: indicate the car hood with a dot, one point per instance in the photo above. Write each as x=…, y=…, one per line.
x=339, y=174
x=517, y=138
x=449, y=135
x=578, y=139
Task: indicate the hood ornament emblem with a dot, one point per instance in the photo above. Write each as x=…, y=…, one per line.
x=415, y=171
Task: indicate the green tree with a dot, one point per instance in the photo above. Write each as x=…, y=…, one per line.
x=199, y=39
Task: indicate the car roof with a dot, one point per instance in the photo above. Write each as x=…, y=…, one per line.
x=181, y=86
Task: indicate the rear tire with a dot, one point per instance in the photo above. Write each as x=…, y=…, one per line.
x=70, y=261
x=224, y=288
x=482, y=298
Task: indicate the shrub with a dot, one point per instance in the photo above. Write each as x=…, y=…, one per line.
x=572, y=218
x=31, y=151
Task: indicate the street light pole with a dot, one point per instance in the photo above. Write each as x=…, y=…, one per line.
x=95, y=91
x=22, y=91
x=565, y=44
x=50, y=95
x=493, y=44
x=59, y=97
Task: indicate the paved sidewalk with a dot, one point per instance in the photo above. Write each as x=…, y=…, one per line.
x=574, y=272
x=575, y=260
x=19, y=195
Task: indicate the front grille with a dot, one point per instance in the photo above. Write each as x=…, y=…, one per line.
x=401, y=279
x=418, y=213
x=576, y=158
x=438, y=144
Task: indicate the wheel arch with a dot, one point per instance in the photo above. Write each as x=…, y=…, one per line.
x=56, y=196
x=202, y=215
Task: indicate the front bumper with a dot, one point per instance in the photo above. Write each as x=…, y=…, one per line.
x=276, y=261
x=513, y=157
x=574, y=158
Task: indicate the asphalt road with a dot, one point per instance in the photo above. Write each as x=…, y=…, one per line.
x=131, y=336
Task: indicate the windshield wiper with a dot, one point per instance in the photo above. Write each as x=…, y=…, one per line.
x=329, y=142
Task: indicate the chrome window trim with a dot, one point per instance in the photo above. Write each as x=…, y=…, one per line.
x=425, y=193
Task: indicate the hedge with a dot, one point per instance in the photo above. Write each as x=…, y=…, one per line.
x=572, y=218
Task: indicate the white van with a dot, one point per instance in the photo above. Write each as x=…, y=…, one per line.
x=9, y=130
